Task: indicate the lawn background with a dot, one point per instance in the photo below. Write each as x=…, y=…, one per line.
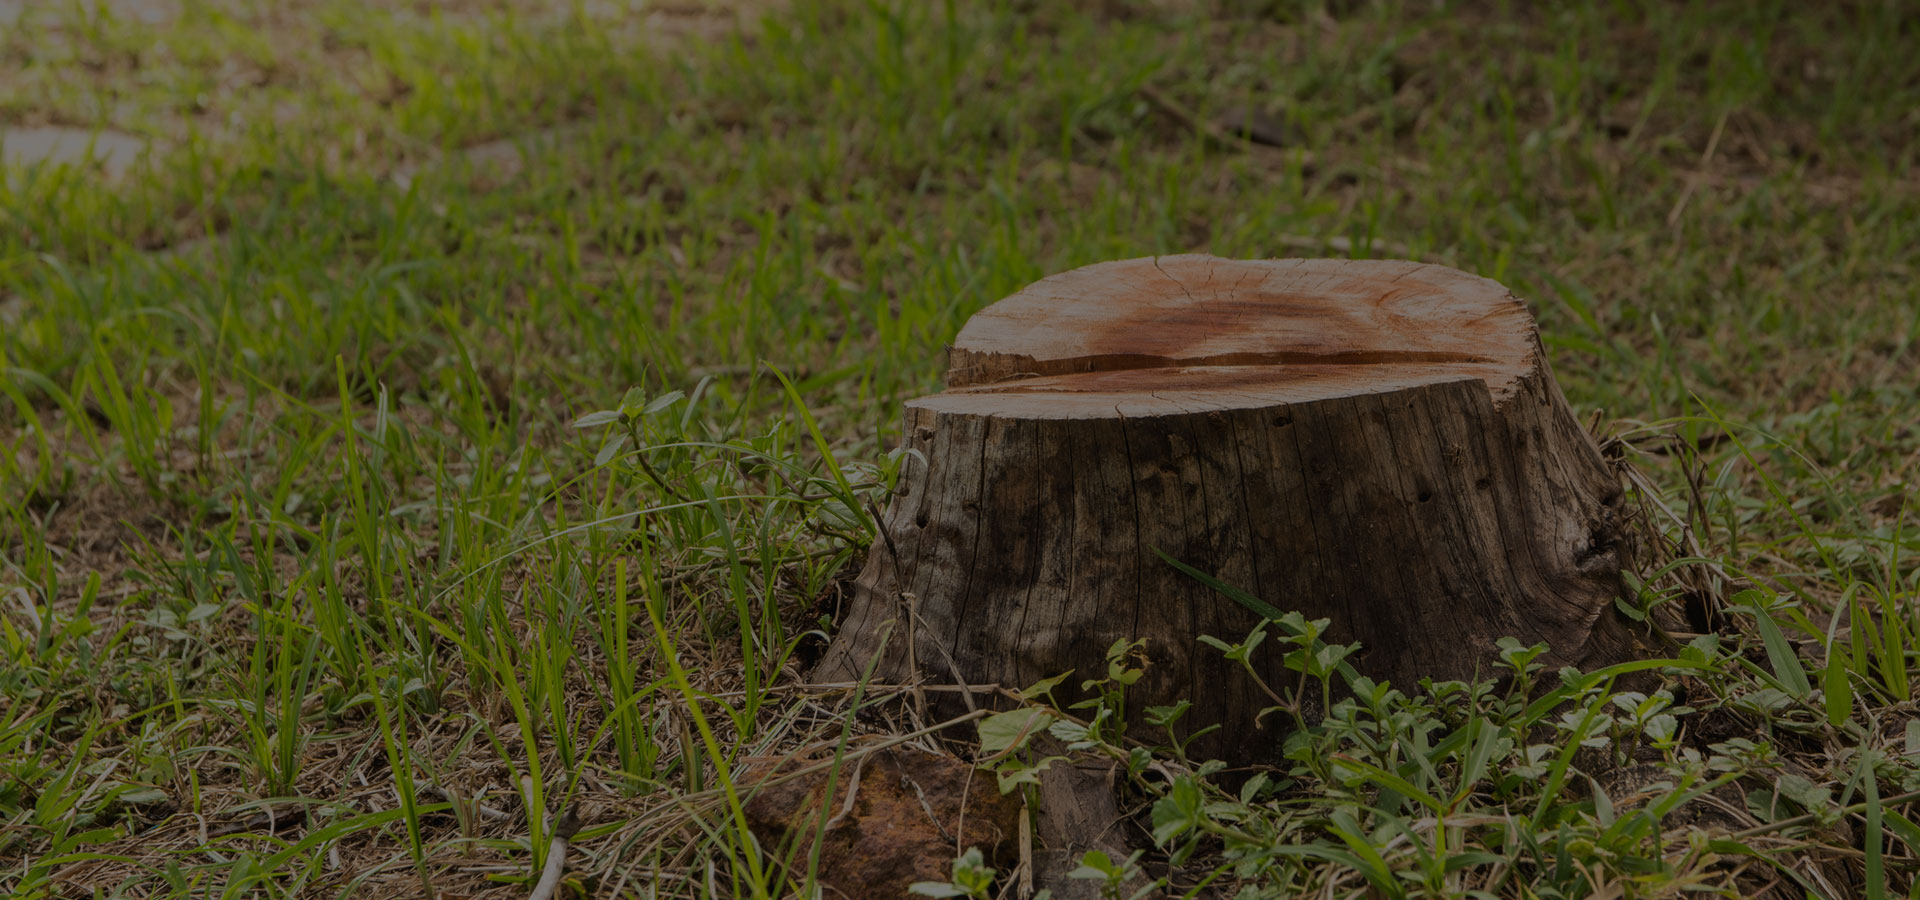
x=297, y=526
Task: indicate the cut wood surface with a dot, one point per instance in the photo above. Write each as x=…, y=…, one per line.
x=1378, y=443
x=1252, y=318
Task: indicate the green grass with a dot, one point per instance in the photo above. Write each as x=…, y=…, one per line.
x=309, y=533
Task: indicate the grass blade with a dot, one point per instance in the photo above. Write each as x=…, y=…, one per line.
x=1780, y=656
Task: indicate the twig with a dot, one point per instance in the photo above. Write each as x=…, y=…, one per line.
x=1706, y=159
x=851, y=756
x=1026, y=850
x=853, y=789
x=474, y=805
x=1220, y=137
x=563, y=831
x=1226, y=139
x=1711, y=588
x=1810, y=818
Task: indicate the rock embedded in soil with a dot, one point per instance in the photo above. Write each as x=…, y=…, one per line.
x=114, y=152
x=910, y=810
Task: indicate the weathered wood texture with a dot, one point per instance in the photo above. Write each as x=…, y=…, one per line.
x=1379, y=443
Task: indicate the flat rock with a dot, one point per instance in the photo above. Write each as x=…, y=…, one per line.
x=150, y=12
x=113, y=151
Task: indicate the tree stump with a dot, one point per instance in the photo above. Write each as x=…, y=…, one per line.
x=1379, y=443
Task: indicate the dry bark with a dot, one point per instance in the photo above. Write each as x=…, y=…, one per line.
x=1379, y=443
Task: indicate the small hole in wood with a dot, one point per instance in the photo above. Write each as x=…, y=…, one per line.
x=921, y=519
x=1425, y=496
x=1282, y=421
